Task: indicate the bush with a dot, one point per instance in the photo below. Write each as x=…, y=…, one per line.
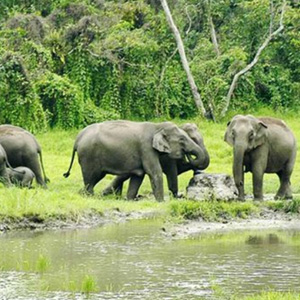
x=20, y=105
x=61, y=100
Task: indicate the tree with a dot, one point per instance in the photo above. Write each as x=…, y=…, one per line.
x=184, y=61
x=266, y=42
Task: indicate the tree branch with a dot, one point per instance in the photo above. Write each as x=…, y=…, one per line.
x=212, y=30
x=271, y=35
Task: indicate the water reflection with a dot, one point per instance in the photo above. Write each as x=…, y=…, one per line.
x=269, y=239
x=136, y=261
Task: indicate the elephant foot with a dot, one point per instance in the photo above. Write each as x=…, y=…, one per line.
x=283, y=197
x=177, y=195
x=258, y=199
x=136, y=198
x=241, y=198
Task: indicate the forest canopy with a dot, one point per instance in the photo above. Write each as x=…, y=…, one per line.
x=68, y=63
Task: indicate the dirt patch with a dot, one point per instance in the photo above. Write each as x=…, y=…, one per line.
x=267, y=219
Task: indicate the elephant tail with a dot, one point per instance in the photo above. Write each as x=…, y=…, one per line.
x=67, y=174
x=9, y=166
x=46, y=179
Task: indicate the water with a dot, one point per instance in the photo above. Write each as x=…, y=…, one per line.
x=135, y=260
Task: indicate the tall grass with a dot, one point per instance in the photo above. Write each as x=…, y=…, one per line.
x=88, y=285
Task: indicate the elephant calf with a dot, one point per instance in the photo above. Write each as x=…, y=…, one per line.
x=261, y=145
x=21, y=176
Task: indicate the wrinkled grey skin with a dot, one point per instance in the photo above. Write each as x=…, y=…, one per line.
x=21, y=176
x=4, y=177
x=22, y=149
x=131, y=148
x=261, y=145
x=171, y=167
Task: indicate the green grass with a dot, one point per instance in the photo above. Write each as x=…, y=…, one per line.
x=211, y=211
x=88, y=285
x=62, y=199
x=272, y=296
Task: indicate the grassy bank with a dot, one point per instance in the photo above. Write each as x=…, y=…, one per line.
x=62, y=200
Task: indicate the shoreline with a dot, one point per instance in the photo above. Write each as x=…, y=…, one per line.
x=193, y=229
x=183, y=230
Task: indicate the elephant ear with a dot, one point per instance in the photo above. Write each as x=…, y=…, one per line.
x=261, y=134
x=160, y=142
x=228, y=137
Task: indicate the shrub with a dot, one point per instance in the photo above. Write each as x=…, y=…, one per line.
x=20, y=105
x=62, y=101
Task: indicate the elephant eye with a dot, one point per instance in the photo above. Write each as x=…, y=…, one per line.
x=251, y=135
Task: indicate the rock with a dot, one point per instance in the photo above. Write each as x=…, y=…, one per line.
x=212, y=187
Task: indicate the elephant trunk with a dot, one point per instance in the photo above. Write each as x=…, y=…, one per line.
x=201, y=158
x=238, y=171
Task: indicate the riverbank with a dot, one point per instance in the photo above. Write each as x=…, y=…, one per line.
x=182, y=218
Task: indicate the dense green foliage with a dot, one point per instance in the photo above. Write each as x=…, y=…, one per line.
x=69, y=63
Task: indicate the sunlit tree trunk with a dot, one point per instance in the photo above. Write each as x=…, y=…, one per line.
x=184, y=61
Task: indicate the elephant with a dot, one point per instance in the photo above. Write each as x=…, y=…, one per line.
x=261, y=145
x=23, y=149
x=171, y=167
x=4, y=177
x=131, y=148
x=21, y=176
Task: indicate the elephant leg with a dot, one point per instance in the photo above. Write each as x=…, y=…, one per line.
x=153, y=169
x=157, y=186
x=257, y=180
x=284, y=191
x=91, y=174
x=91, y=181
x=172, y=178
x=116, y=186
x=33, y=164
x=241, y=187
x=134, y=185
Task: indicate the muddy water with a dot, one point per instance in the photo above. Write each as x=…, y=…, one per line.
x=136, y=260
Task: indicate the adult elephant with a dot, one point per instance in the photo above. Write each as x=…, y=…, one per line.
x=131, y=148
x=261, y=145
x=171, y=167
x=22, y=149
x=4, y=174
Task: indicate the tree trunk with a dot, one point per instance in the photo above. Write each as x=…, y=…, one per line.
x=184, y=61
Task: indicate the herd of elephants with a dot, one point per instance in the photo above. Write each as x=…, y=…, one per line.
x=130, y=150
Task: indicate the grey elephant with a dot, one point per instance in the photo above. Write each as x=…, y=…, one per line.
x=21, y=176
x=4, y=177
x=23, y=149
x=261, y=145
x=171, y=167
x=131, y=148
